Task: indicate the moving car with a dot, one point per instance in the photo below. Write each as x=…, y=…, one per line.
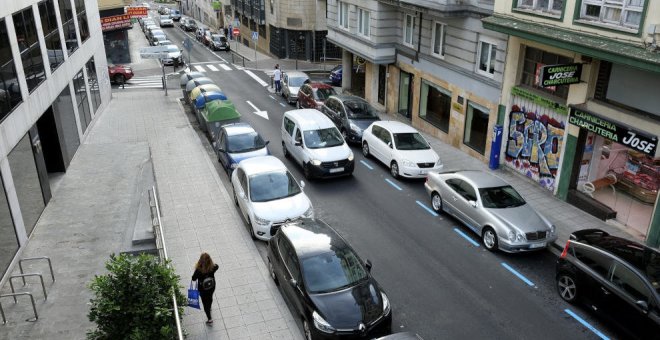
x=329, y=286
x=236, y=142
x=188, y=24
x=166, y=21
x=313, y=141
x=120, y=73
x=173, y=55
x=617, y=278
x=401, y=148
x=312, y=95
x=175, y=14
x=163, y=10
x=351, y=115
x=291, y=83
x=267, y=195
x=491, y=208
x=219, y=42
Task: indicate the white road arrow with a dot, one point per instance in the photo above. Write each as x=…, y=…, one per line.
x=258, y=112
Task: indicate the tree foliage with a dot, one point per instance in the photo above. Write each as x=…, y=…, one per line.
x=134, y=300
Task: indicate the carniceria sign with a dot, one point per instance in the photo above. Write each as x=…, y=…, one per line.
x=554, y=75
x=616, y=132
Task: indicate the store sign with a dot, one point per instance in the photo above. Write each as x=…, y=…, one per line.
x=539, y=100
x=136, y=12
x=553, y=75
x=115, y=22
x=217, y=6
x=614, y=131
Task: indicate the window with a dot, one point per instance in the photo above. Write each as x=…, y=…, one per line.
x=545, y=6
x=82, y=20
x=438, y=42
x=10, y=91
x=95, y=94
x=343, y=15
x=363, y=22
x=476, y=127
x=435, y=105
x=486, y=58
x=26, y=182
x=630, y=283
x=624, y=13
x=289, y=125
x=7, y=230
x=68, y=26
x=80, y=90
x=51, y=34
x=593, y=259
x=408, y=29
x=28, y=45
x=534, y=60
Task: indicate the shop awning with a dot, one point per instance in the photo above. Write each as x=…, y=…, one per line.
x=590, y=45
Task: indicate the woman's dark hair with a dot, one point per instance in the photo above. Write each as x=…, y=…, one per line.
x=205, y=264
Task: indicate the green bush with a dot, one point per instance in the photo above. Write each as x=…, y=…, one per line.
x=134, y=300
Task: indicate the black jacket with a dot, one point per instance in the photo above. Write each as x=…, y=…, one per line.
x=199, y=276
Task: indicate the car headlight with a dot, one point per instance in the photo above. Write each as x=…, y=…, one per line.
x=316, y=162
x=408, y=163
x=516, y=236
x=552, y=228
x=321, y=324
x=261, y=221
x=438, y=163
x=309, y=213
x=355, y=128
x=351, y=157
x=386, y=304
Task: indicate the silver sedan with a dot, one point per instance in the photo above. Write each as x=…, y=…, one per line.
x=490, y=207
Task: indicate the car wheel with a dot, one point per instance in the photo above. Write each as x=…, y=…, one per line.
x=567, y=288
x=489, y=239
x=272, y=272
x=119, y=78
x=307, y=171
x=365, y=149
x=436, y=202
x=394, y=169
x=251, y=229
x=285, y=151
x=307, y=330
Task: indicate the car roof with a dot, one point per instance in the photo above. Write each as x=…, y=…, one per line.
x=347, y=97
x=318, y=85
x=238, y=129
x=310, y=119
x=261, y=164
x=310, y=237
x=480, y=179
x=296, y=74
x=395, y=127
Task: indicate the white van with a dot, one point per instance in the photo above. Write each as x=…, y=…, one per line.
x=313, y=141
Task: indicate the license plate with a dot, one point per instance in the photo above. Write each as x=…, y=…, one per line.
x=423, y=172
x=537, y=245
x=332, y=171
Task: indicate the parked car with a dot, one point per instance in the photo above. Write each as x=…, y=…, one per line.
x=291, y=83
x=163, y=42
x=175, y=14
x=401, y=148
x=160, y=39
x=201, y=31
x=267, y=195
x=188, y=24
x=148, y=27
x=312, y=95
x=166, y=21
x=146, y=4
x=329, y=286
x=351, y=115
x=120, y=73
x=491, y=208
x=173, y=56
x=336, y=75
x=617, y=278
x=206, y=38
x=219, y=42
x=151, y=32
x=236, y=142
x=313, y=141
x=185, y=78
x=163, y=10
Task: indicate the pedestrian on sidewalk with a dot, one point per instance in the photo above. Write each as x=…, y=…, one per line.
x=277, y=77
x=205, y=275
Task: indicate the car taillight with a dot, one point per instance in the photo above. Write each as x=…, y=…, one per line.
x=565, y=251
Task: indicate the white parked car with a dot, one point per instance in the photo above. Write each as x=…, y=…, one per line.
x=314, y=142
x=267, y=195
x=400, y=147
x=166, y=21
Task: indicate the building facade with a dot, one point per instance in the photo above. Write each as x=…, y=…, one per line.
x=429, y=61
x=580, y=89
x=115, y=36
x=53, y=82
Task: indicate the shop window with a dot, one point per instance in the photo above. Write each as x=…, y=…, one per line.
x=621, y=14
x=486, y=58
x=63, y=108
x=82, y=20
x=94, y=92
x=10, y=91
x=364, y=22
x=68, y=26
x=26, y=181
x=408, y=29
x=28, y=45
x=81, y=100
x=628, y=88
x=551, y=7
x=405, y=87
x=534, y=60
x=51, y=34
x=438, y=46
x=342, y=15
x=8, y=239
x=476, y=127
x=435, y=105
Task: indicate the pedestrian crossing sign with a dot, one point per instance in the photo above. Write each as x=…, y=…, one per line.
x=255, y=35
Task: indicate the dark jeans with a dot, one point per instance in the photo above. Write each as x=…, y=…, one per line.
x=207, y=301
x=278, y=87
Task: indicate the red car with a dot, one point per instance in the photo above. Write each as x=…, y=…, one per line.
x=313, y=95
x=120, y=73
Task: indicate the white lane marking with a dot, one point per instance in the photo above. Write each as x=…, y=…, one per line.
x=199, y=68
x=212, y=68
x=225, y=67
x=258, y=112
x=254, y=76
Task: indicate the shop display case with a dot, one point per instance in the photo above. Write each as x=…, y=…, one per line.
x=641, y=177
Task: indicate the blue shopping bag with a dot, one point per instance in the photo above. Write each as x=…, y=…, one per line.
x=193, y=295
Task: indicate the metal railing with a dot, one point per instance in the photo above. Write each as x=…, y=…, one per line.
x=14, y=295
x=162, y=252
x=50, y=265
x=22, y=276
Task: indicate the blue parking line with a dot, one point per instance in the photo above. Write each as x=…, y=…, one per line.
x=367, y=165
x=516, y=273
x=427, y=208
x=586, y=324
x=393, y=184
x=474, y=243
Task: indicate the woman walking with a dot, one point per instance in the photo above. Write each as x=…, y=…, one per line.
x=205, y=275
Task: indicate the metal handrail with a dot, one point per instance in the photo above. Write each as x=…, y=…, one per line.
x=50, y=265
x=43, y=287
x=159, y=232
x=34, y=307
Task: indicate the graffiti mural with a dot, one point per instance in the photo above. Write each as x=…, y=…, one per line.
x=534, y=144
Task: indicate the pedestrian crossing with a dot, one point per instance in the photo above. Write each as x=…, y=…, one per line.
x=214, y=67
x=146, y=82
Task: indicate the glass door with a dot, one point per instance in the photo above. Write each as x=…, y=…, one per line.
x=405, y=89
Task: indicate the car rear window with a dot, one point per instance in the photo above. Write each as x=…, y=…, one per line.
x=332, y=271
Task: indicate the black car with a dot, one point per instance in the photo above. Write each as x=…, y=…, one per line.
x=219, y=42
x=328, y=285
x=188, y=24
x=351, y=115
x=617, y=278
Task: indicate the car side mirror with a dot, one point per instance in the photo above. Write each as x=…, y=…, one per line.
x=267, y=142
x=302, y=184
x=298, y=143
x=389, y=144
x=643, y=306
x=293, y=283
x=473, y=204
x=367, y=264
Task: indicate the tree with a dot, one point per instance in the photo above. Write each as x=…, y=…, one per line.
x=134, y=300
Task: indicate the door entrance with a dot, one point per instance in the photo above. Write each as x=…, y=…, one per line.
x=382, y=83
x=405, y=91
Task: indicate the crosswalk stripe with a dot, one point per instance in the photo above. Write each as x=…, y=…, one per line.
x=212, y=68
x=199, y=68
x=225, y=67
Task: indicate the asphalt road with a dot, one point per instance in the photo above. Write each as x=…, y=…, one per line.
x=441, y=282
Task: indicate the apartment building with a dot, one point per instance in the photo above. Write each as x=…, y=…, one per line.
x=212, y=13
x=53, y=82
x=580, y=89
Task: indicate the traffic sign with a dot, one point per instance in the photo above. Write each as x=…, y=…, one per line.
x=255, y=35
x=153, y=52
x=187, y=44
x=236, y=32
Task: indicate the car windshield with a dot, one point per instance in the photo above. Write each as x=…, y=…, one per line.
x=164, y=17
x=500, y=197
x=172, y=48
x=324, y=93
x=410, y=141
x=322, y=138
x=359, y=110
x=245, y=142
x=272, y=186
x=297, y=81
x=332, y=271
x=218, y=38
